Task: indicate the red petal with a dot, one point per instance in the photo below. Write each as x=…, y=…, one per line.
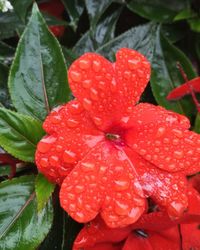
x=185, y=89
x=104, y=181
x=137, y=243
x=190, y=236
x=166, y=144
x=167, y=190
x=99, y=85
x=97, y=232
x=73, y=135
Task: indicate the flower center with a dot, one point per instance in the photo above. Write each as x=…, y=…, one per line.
x=112, y=137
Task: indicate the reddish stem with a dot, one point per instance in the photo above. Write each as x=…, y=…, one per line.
x=8, y=159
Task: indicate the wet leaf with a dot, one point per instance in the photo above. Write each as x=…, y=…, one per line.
x=157, y=10
x=22, y=227
x=19, y=134
x=44, y=190
x=21, y=5
x=38, y=79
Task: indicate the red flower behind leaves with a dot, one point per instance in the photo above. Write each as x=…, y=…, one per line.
x=108, y=153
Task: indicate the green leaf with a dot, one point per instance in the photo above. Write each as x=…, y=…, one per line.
x=4, y=95
x=75, y=9
x=69, y=55
x=52, y=20
x=6, y=53
x=197, y=124
x=22, y=227
x=194, y=24
x=95, y=10
x=165, y=75
x=141, y=38
x=9, y=24
x=103, y=33
x=44, y=190
x=184, y=14
x=21, y=7
x=19, y=134
x=38, y=79
x=157, y=10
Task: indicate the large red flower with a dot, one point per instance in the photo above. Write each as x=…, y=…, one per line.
x=153, y=231
x=111, y=152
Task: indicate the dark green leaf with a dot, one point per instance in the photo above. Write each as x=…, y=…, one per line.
x=6, y=53
x=75, y=9
x=174, y=32
x=69, y=55
x=44, y=190
x=38, y=79
x=19, y=134
x=95, y=10
x=197, y=124
x=10, y=24
x=22, y=227
x=194, y=24
x=165, y=75
x=157, y=10
x=141, y=38
x=52, y=20
x=21, y=7
x=4, y=95
x=184, y=14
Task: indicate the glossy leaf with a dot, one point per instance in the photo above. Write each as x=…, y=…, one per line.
x=95, y=10
x=22, y=227
x=103, y=33
x=69, y=55
x=44, y=190
x=75, y=9
x=38, y=79
x=157, y=10
x=4, y=95
x=19, y=134
x=141, y=38
x=21, y=5
x=194, y=24
x=165, y=75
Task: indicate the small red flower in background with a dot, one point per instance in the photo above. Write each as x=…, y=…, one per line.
x=153, y=231
x=108, y=153
x=54, y=8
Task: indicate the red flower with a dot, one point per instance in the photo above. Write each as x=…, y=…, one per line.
x=152, y=231
x=54, y=8
x=113, y=152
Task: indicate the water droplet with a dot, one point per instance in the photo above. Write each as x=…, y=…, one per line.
x=175, y=142
x=133, y=63
x=87, y=83
x=121, y=184
x=113, y=86
x=71, y=196
x=96, y=64
x=176, y=209
x=59, y=148
x=76, y=108
x=72, y=207
x=46, y=143
x=171, y=166
x=178, y=133
x=75, y=76
x=178, y=154
x=87, y=104
x=53, y=160
x=98, y=121
x=134, y=213
x=79, y=216
x=166, y=140
x=44, y=162
x=102, y=85
x=94, y=94
x=190, y=152
x=143, y=152
x=121, y=208
x=69, y=156
x=72, y=123
x=84, y=64
x=55, y=119
x=160, y=131
x=88, y=166
x=79, y=189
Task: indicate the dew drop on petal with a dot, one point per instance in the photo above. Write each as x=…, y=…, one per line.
x=98, y=121
x=69, y=156
x=176, y=209
x=87, y=84
x=44, y=162
x=54, y=160
x=102, y=85
x=75, y=76
x=87, y=104
x=143, y=152
x=76, y=108
x=94, y=94
x=59, y=148
x=79, y=189
x=178, y=133
x=178, y=154
x=84, y=64
x=88, y=166
x=121, y=208
x=72, y=123
x=96, y=64
x=121, y=184
x=160, y=132
x=45, y=144
x=133, y=64
x=72, y=207
x=79, y=216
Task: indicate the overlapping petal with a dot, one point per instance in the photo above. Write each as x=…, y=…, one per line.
x=109, y=91
x=72, y=136
x=104, y=181
x=168, y=145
